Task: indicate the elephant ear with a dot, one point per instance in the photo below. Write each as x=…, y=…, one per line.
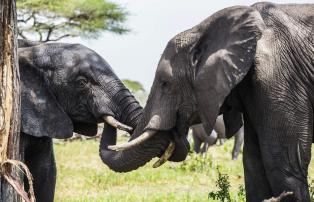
x=87, y=129
x=233, y=122
x=222, y=56
x=41, y=114
x=231, y=114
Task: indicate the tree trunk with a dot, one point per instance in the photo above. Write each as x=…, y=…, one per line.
x=9, y=98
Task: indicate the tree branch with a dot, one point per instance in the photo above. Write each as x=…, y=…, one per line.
x=20, y=33
x=61, y=37
x=25, y=20
x=50, y=30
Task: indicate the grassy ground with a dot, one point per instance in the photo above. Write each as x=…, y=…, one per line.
x=83, y=177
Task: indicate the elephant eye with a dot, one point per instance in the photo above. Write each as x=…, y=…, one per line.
x=164, y=84
x=166, y=87
x=81, y=81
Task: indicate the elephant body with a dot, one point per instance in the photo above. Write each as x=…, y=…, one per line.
x=200, y=137
x=66, y=88
x=252, y=60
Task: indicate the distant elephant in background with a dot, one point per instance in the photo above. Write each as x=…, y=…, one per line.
x=256, y=61
x=200, y=137
x=67, y=88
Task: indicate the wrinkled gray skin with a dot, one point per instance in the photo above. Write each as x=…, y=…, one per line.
x=65, y=88
x=200, y=137
x=256, y=60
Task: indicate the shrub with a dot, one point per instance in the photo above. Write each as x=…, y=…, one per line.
x=223, y=193
x=223, y=185
x=241, y=194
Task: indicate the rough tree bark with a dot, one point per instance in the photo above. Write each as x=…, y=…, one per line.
x=9, y=101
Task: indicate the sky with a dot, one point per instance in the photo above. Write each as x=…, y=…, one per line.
x=153, y=23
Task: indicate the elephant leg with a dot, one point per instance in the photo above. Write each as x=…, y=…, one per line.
x=208, y=141
x=197, y=143
x=238, y=140
x=256, y=184
x=286, y=161
x=285, y=143
x=212, y=139
x=204, y=148
x=40, y=160
x=221, y=141
x=286, y=171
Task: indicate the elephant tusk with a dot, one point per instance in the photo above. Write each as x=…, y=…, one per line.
x=128, y=145
x=165, y=156
x=116, y=124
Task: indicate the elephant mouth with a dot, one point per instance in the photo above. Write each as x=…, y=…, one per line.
x=182, y=146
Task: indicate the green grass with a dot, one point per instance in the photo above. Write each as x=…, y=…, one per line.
x=83, y=177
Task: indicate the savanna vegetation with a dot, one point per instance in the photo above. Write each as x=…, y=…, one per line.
x=83, y=177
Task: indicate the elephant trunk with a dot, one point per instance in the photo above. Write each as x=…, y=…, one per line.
x=131, y=113
x=137, y=156
x=131, y=110
x=131, y=159
x=128, y=160
x=127, y=109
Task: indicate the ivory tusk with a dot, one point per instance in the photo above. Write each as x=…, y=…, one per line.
x=163, y=159
x=115, y=123
x=128, y=145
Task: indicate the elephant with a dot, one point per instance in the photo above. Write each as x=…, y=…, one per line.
x=200, y=137
x=66, y=88
x=252, y=60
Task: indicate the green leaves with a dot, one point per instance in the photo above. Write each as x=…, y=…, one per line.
x=197, y=163
x=137, y=90
x=54, y=20
x=224, y=190
x=133, y=86
x=223, y=184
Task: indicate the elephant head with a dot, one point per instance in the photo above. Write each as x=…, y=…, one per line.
x=196, y=72
x=68, y=88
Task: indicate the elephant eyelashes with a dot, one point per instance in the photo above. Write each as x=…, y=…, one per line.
x=81, y=82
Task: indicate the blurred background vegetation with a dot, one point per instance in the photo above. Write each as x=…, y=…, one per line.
x=137, y=89
x=46, y=20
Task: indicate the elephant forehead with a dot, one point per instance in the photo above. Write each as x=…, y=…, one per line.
x=70, y=59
